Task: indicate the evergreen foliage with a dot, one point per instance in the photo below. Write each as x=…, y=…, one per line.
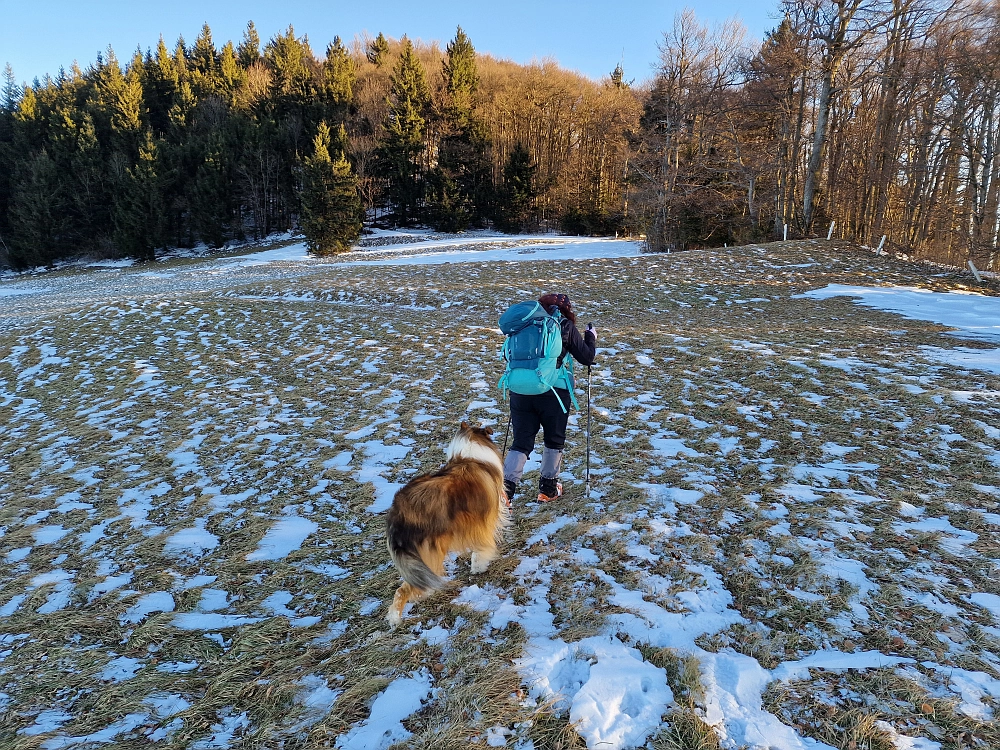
x=514, y=212
x=331, y=208
x=885, y=120
x=339, y=73
x=183, y=144
x=137, y=209
x=378, y=50
x=248, y=51
x=461, y=77
x=459, y=188
x=39, y=214
x=400, y=154
x=10, y=98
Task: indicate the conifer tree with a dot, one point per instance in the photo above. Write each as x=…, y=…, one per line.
x=180, y=57
x=399, y=154
x=184, y=99
x=459, y=187
x=39, y=213
x=210, y=193
x=461, y=77
x=447, y=208
x=136, y=211
x=248, y=50
x=378, y=50
x=331, y=208
x=288, y=58
x=161, y=85
x=11, y=93
x=230, y=73
x=339, y=71
x=203, y=64
x=10, y=96
x=514, y=211
x=203, y=55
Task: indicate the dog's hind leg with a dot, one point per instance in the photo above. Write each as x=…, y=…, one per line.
x=404, y=593
x=433, y=556
x=436, y=553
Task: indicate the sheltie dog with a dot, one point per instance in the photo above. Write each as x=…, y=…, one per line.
x=460, y=508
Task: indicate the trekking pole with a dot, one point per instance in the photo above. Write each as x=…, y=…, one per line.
x=503, y=453
x=588, y=431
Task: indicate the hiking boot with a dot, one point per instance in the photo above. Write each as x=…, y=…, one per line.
x=509, y=487
x=548, y=489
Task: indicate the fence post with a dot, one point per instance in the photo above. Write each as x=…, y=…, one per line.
x=785, y=236
x=830, y=233
x=881, y=244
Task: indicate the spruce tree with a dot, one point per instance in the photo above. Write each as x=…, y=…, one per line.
x=400, y=151
x=230, y=73
x=39, y=214
x=84, y=168
x=248, y=50
x=514, y=210
x=118, y=98
x=161, y=85
x=378, y=50
x=10, y=96
x=460, y=185
x=289, y=57
x=203, y=53
x=339, y=72
x=11, y=93
x=136, y=212
x=210, y=193
x=331, y=208
x=461, y=77
x=447, y=208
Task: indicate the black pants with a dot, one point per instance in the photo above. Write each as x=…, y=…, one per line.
x=528, y=413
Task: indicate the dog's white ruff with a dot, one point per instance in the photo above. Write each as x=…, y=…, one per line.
x=461, y=447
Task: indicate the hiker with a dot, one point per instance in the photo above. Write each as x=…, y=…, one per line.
x=540, y=396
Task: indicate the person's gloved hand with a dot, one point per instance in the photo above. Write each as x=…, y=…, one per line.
x=591, y=330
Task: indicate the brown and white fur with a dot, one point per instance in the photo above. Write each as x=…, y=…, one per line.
x=460, y=508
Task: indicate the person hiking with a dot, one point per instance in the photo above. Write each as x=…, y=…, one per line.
x=548, y=409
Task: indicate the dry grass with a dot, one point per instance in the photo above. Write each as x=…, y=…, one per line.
x=334, y=358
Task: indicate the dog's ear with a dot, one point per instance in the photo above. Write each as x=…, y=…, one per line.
x=488, y=430
x=464, y=425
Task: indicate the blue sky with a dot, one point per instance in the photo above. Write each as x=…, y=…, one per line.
x=38, y=36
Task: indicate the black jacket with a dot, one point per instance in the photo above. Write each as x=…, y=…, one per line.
x=583, y=348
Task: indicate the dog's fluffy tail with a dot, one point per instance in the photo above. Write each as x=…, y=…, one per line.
x=409, y=563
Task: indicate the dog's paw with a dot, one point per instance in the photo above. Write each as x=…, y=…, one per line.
x=479, y=563
x=394, y=617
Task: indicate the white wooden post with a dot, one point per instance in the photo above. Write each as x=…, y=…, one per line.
x=881, y=244
x=830, y=233
x=975, y=272
x=785, y=237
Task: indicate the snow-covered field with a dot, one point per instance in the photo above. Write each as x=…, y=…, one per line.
x=791, y=540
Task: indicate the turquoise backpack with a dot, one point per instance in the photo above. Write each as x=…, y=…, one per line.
x=532, y=349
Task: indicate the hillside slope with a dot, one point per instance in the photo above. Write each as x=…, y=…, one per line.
x=791, y=541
